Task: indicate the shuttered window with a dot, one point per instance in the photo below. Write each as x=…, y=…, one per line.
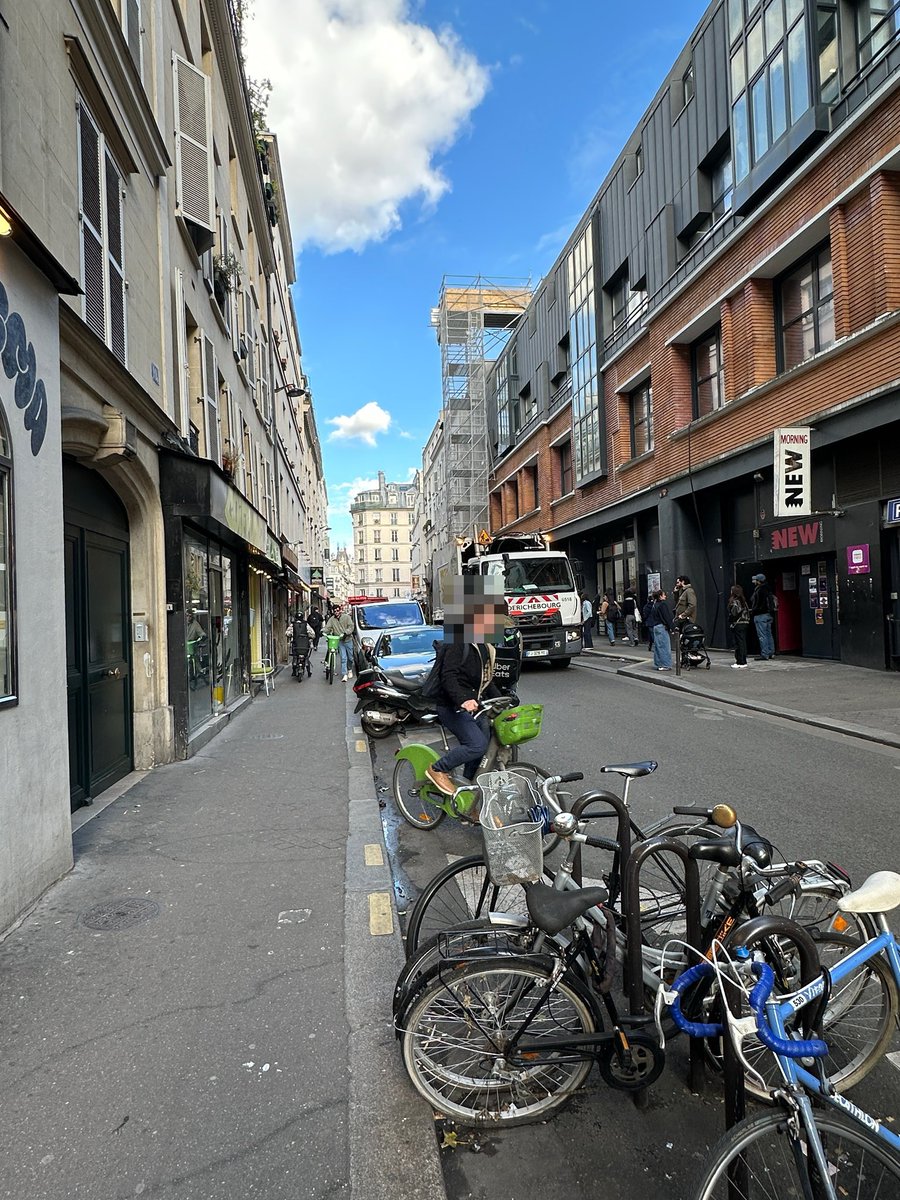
x=249, y=359
x=193, y=149
x=210, y=401
x=181, y=354
x=131, y=27
x=100, y=198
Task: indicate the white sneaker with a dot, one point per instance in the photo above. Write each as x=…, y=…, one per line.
x=344, y=678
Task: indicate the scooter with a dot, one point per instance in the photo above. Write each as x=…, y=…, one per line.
x=388, y=702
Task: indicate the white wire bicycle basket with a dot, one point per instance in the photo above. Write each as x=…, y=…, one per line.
x=513, y=840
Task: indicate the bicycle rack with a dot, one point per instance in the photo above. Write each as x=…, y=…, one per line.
x=634, y=966
x=757, y=930
x=623, y=831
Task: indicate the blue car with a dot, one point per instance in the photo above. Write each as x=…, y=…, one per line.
x=409, y=650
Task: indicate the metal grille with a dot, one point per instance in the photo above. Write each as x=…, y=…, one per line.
x=119, y=914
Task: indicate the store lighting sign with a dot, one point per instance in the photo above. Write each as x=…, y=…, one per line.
x=793, y=490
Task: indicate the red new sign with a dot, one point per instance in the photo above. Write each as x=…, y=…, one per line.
x=807, y=534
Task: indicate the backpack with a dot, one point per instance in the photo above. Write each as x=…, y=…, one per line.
x=772, y=603
x=433, y=688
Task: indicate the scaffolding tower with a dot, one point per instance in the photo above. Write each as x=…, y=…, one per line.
x=474, y=319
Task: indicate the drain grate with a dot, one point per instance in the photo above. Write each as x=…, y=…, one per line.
x=119, y=914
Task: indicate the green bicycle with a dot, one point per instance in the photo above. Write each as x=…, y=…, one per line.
x=331, y=656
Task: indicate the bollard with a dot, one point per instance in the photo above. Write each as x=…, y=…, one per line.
x=631, y=906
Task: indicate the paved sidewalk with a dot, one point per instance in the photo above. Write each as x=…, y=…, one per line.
x=851, y=700
x=235, y=1041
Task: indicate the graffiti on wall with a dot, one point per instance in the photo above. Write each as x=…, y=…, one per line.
x=20, y=363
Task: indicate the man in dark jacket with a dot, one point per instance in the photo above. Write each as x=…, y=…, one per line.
x=467, y=670
x=661, y=625
x=315, y=623
x=762, y=607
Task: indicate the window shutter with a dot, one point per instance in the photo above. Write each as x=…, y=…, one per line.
x=91, y=220
x=183, y=380
x=249, y=335
x=264, y=400
x=211, y=401
x=131, y=10
x=115, y=259
x=193, y=157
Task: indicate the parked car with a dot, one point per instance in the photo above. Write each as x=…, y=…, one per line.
x=407, y=651
x=370, y=619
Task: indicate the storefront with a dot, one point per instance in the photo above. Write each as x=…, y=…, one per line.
x=221, y=566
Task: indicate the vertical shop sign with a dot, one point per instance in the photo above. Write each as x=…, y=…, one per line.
x=793, y=493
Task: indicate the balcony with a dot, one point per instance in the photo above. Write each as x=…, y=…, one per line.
x=562, y=395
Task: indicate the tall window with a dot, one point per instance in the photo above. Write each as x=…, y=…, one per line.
x=769, y=75
x=640, y=404
x=877, y=23
x=100, y=191
x=131, y=27
x=805, y=306
x=707, y=374
x=586, y=425
x=7, y=609
x=827, y=52
x=564, y=467
x=687, y=85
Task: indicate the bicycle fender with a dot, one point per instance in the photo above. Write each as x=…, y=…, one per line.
x=419, y=755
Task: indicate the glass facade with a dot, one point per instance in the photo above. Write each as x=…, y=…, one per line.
x=7, y=682
x=806, y=306
x=877, y=24
x=212, y=628
x=769, y=75
x=586, y=435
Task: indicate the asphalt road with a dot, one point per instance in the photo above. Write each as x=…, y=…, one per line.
x=815, y=794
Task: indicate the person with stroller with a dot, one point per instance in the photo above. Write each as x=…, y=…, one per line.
x=685, y=602
x=631, y=614
x=739, y=622
x=660, y=625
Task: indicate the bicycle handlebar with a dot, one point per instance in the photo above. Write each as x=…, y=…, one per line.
x=701, y=1029
x=789, y=1047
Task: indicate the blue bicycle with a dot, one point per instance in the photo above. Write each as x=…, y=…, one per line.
x=827, y=1152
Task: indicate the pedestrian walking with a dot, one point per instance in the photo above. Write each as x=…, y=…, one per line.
x=685, y=601
x=762, y=608
x=631, y=615
x=739, y=620
x=587, y=620
x=341, y=623
x=609, y=614
x=660, y=624
x=315, y=624
x=598, y=620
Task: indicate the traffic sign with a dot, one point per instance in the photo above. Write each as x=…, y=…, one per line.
x=484, y=537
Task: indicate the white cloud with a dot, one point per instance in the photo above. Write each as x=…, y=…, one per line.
x=363, y=99
x=366, y=423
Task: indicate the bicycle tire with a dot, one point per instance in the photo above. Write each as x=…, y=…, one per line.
x=452, y=1032
x=329, y=668
x=861, y=1166
x=460, y=892
x=420, y=814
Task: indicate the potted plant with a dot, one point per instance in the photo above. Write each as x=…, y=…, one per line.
x=229, y=460
x=226, y=273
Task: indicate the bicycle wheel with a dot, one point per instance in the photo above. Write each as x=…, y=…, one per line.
x=457, y=1033
x=758, y=1160
x=329, y=667
x=461, y=892
x=412, y=805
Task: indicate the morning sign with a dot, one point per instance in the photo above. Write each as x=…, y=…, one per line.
x=793, y=490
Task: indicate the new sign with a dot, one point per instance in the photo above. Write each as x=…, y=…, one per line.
x=793, y=491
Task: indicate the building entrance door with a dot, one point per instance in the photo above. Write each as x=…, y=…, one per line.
x=98, y=666
x=816, y=594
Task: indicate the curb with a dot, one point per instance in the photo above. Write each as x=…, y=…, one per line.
x=863, y=732
x=390, y=1133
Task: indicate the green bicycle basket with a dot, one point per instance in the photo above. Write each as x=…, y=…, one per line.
x=519, y=724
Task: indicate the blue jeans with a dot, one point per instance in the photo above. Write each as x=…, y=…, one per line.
x=471, y=733
x=586, y=633
x=346, y=645
x=662, y=647
x=763, y=623
x=611, y=632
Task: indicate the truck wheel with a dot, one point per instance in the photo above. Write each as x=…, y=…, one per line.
x=559, y=664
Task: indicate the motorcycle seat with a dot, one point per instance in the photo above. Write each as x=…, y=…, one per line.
x=401, y=683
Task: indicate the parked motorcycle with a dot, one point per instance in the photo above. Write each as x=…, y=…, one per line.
x=388, y=702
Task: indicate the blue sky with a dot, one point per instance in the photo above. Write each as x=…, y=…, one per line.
x=433, y=138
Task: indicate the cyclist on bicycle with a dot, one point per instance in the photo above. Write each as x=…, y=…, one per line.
x=340, y=624
x=466, y=674
x=301, y=634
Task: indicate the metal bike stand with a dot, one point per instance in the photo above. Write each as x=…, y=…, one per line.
x=631, y=905
x=757, y=930
x=623, y=828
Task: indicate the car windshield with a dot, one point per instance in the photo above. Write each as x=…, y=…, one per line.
x=388, y=616
x=535, y=575
x=415, y=641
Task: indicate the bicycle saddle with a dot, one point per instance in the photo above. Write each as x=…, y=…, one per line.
x=630, y=770
x=879, y=893
x=552, y=911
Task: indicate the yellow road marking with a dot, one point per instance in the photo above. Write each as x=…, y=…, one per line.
x=381, y=918
x=374, y=857
x=361, y=745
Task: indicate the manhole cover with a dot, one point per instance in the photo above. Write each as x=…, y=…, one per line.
x=119, y=914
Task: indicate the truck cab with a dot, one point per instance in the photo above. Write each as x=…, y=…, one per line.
x=541, y=595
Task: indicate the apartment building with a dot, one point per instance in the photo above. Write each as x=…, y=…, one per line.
x=738, y=272
x=382, y=538
x=140, y=533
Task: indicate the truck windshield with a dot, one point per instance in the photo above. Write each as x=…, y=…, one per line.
x=536, y=575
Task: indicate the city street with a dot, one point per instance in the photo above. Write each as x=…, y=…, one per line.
x=804, y=788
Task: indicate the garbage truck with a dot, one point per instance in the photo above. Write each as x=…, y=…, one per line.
x=539, y=586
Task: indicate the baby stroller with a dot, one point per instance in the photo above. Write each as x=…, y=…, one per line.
x=692, y=647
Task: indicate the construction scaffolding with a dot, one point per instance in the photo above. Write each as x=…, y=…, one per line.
x=473, y=320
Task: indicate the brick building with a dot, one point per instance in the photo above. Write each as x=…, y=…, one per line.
x=737, y=272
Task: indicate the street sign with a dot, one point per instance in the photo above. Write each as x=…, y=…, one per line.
x=893, y=512
x=793, y=491
x=484, y=537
